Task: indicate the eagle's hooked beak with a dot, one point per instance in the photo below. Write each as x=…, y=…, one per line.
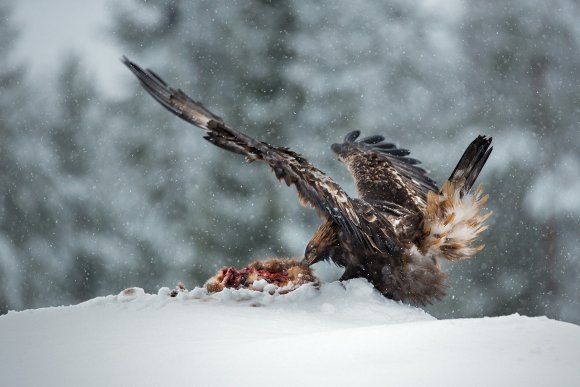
x=308, y=259
x=311, y=256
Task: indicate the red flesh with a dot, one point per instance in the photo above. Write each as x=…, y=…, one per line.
x=234, y=278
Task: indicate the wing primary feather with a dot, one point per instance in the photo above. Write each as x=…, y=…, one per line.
x=408, y=160
x=384, y=145
x=176, y=101
x=232, y=147
x=372, y=139
x=383, y=172
x=152, y=73
x=397, y=152
x=352, y=136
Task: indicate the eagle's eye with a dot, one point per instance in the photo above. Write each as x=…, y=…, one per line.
x=311, y=251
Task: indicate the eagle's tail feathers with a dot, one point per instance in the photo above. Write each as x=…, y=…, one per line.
x=454, y=218
x=471, y=163
x=452, y=222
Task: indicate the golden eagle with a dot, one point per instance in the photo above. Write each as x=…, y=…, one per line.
x=399, y=226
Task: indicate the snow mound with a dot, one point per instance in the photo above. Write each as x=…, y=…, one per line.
x=353, y=302
x=341, y=334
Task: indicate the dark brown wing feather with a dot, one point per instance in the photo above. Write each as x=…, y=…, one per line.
x=314, y=188
x=471, y=163
x=383, y=172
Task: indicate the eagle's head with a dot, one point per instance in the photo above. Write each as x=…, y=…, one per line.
x=323, y=245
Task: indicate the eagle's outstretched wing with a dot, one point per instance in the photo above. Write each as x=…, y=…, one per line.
x=383, y=172
x=313, y=186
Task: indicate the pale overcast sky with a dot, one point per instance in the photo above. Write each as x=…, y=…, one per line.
x=51, y=29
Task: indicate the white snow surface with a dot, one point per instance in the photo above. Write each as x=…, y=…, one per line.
x=343, y=334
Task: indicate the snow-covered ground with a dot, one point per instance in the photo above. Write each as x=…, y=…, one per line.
x=340, y=335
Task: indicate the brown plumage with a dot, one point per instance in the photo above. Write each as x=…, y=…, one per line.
x=396, y=229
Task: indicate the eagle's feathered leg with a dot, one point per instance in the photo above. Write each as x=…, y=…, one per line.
x=353, y=271
x=419, y=281
x=453, y=218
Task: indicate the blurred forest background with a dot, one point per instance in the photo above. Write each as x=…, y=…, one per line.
x=99, y=193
